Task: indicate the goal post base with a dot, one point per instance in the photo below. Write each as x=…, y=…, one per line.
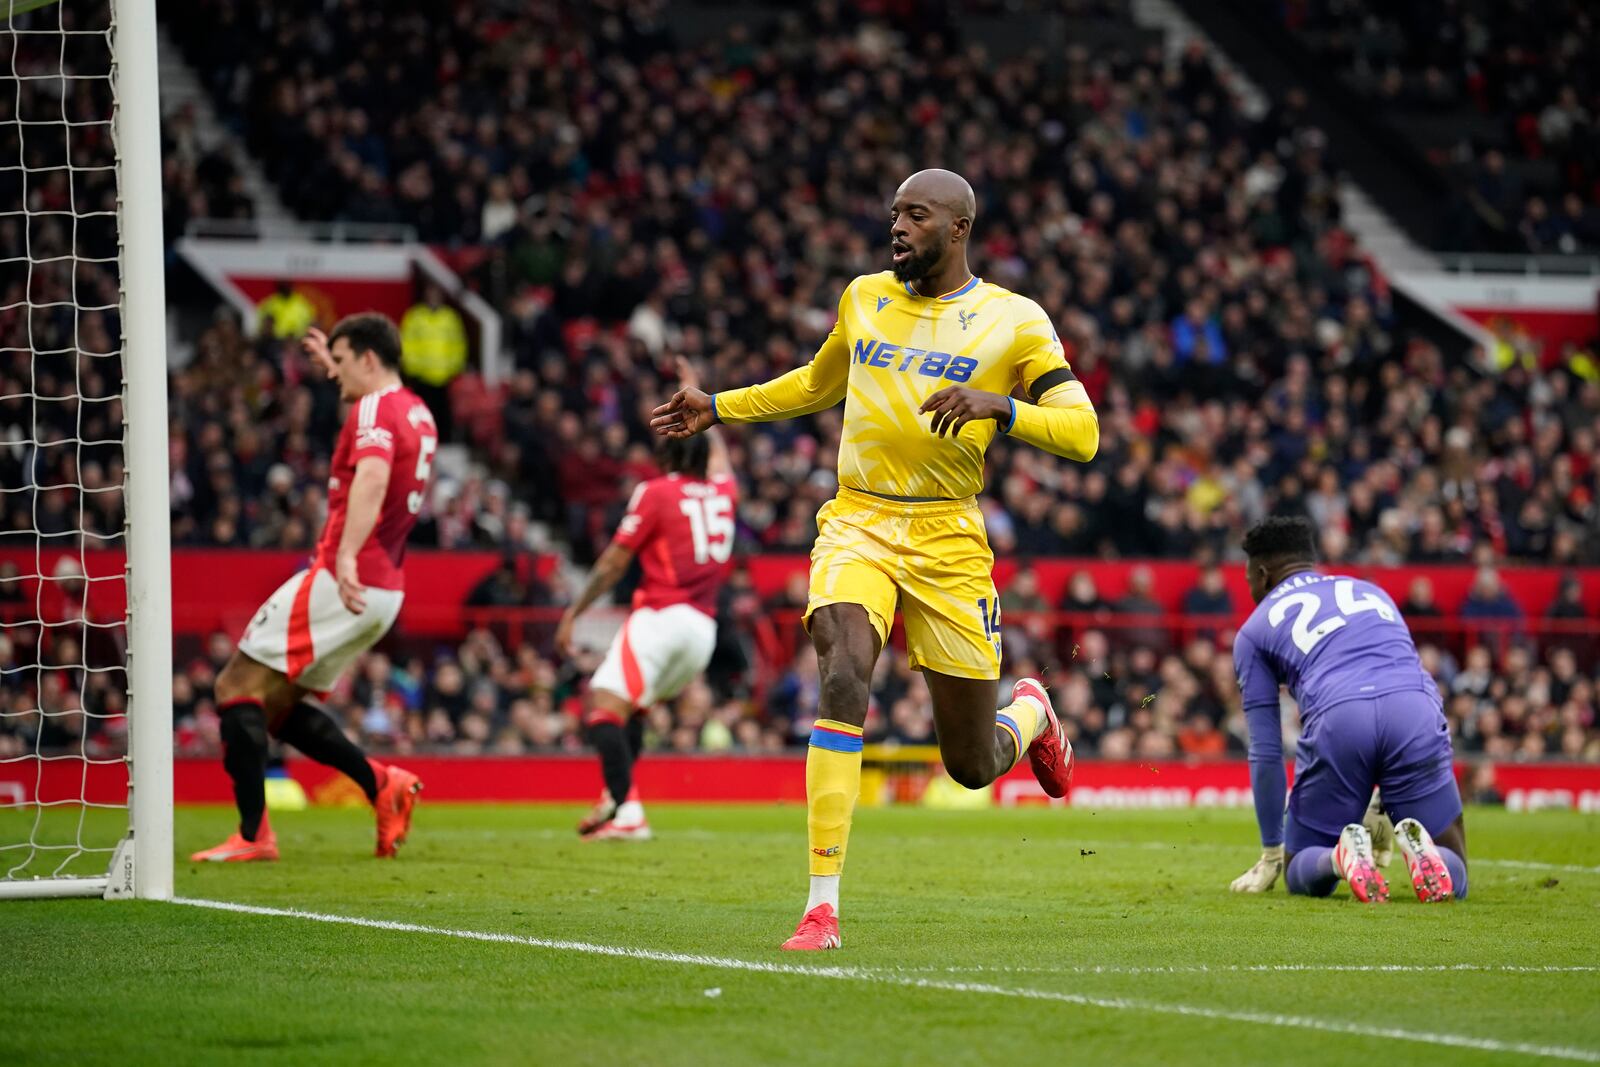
x=120, y=883
x=50, y=888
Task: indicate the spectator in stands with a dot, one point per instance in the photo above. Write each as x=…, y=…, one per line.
x=1197, y=336
x=1210, y=594
x=1140, y=600
x=1568, y=612
x=1488, y=599
x=1083, y=597
x=433, y=352
x=1028, y=626
x=1419, y=603
x=286, y=313
x=1023, y=595
x=502, y=587
x=1200, y=739
x=1568, y=603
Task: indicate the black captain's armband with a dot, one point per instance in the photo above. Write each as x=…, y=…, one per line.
x=1049, y=380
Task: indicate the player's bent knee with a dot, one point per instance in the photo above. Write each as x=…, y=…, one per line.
x=1312, y=889
x=970, y=772
x=844, y=690
x=237, y=679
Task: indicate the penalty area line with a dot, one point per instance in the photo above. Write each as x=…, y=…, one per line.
x=1290, y=1022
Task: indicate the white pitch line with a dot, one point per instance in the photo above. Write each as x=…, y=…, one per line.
x=1532, y=865
x=1268, y=968
x=1291, y=1022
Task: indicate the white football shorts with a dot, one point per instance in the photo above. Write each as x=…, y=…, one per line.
x=657, y=652
x=304, y=631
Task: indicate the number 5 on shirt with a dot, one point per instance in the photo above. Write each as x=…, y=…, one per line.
x=425, y=449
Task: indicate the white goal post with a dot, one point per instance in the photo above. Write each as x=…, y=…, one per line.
x=114, y=837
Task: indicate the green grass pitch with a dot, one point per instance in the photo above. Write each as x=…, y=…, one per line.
x=1015, y=937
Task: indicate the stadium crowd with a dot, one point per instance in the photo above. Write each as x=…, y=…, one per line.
x=636, y=202
x=1504, y=95
x=60, y=379
x=641, y=202
x=1125, y=691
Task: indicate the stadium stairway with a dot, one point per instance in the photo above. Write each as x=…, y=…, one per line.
x=1398, y=182
x=1373, y=226
x=180, y=87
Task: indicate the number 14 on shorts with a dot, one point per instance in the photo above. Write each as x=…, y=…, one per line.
x=989, y=612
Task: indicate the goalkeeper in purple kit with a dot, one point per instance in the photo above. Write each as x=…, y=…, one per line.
x=1370, y=716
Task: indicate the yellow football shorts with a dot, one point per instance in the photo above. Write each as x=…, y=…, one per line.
x=933, y=559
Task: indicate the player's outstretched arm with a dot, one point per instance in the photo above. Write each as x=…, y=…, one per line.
x=608, y=571
x=817, y=385
x=689, y=412
x=718, y=465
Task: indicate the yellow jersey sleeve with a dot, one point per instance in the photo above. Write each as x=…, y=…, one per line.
x=1036, y=351
x=1061, y=419
x=818, y=385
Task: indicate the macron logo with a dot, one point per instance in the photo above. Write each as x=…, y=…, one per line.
x=883, y=302
x=375, y=437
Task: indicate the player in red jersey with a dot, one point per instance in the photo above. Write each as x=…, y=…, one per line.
x=681, y=528
x=324, y=617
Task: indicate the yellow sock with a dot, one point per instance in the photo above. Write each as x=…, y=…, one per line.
x=833, y=779
x=1022, y=721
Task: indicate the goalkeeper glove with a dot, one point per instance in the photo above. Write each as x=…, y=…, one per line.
x=1260, y=878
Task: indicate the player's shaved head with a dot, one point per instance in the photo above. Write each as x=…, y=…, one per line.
x=929, y=223
x=943, y=189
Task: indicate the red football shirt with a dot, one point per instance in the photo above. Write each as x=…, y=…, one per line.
x=392, y=424
x=681, y=528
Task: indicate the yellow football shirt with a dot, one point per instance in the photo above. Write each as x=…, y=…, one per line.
x=889, y=351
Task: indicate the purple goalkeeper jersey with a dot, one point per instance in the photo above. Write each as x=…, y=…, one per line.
x=1328, y=638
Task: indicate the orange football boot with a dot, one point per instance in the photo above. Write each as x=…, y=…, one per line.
x=397, y=796
x=237, y=850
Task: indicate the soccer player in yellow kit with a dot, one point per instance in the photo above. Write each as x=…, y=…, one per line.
x=927, y=358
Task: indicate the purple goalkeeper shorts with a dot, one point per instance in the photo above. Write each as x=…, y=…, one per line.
x=1399, y=742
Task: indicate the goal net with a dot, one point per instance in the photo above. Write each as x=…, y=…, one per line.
x=85, y=643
